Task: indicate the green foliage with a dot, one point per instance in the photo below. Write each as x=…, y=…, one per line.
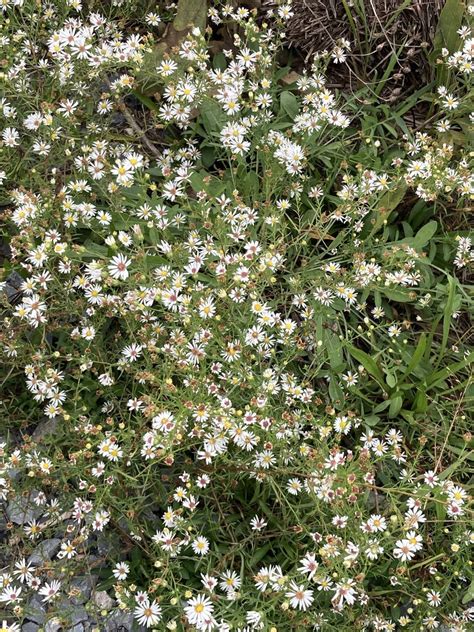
x=237, y=341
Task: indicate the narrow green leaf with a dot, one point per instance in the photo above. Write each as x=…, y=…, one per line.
x=418, y=354
x=439, y=376
x=447, y=317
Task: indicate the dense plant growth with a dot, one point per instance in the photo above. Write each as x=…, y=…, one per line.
x=235, y=335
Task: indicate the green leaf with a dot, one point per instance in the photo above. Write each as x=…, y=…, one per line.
x=219, y=61
x=197, y=181
x=451, y=369
x=334, y=350
x=397, y=295
x=95, y=250
x=289, y=104
x=368, y=363
x=208, y=156
x=212, y=117
x=147, y=101
x=469, y=596
x=387, y=203
x=391, y=380
x=446, y=36
x=249, y=183
x=191, y=14
x=420, y=405
x=382, y=406
x=260, y=553
x=449, y=21
x=154, y=261
x=372, y=420
x=424, y=235
x=335, y=391
x=418, y=354
x=448, y=314
x=395, y=406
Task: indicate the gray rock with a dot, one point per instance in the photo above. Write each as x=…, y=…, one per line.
x=45, y=551
x=29, y=627
x=102, y=600
x=12, y=286
x=45, y=428
x=22, y=510
x=71, y=613
x=107, y=543
x=13, y=474
x=53, y=625
x=35, y=610
x=84, y=585
x=77, y=628
x=121, y=622
x=14, y=279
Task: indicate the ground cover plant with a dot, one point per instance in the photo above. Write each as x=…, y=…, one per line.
x=236, y=340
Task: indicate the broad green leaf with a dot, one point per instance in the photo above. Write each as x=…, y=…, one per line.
x=154, y=261
x=396, y=295
x=191, y=14
x=147, y=101
x=212, y=117
x=395, y=406
x=208, y=156
x=335, y=391
x=95, y=250
x=424, y=235
x=387, y=203
x=372, y=420
x=449, y=21
x=260, y=554
x=334, y=349
x=391, y=380
x=420, y=405
x=446, y=36
x=469, y=596
x=368, y=363
x=289, y=104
